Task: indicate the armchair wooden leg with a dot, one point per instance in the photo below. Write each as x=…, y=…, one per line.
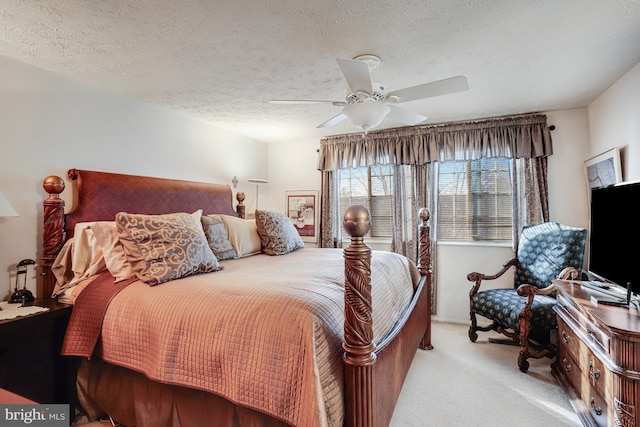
x=511, y=338
x=531, y=348
x=523, y=364
x=474, y=328
x=473, y=336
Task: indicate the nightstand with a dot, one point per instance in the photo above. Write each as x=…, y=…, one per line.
x=30, y=360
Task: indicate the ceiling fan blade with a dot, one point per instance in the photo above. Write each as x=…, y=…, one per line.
x=428, y=90
x=357, y=74
x=408, y=117
x=333, y=121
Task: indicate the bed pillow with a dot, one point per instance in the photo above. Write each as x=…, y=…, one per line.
x=277, y=233
x=217, y=237
x=243, y=235
x=106, y=234
x=161, y=248
x=87, y=257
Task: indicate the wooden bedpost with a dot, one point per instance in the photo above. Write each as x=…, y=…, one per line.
x=53, y=233
x=240, y=207
x=358, y=345
x=424, y=265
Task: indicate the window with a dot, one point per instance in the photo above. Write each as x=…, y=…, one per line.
x=371, y=187
x=474, y=200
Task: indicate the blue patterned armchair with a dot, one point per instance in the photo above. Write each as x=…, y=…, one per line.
x=525, y=313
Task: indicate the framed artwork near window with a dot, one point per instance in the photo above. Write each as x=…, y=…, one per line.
x=603, y=170
x=303, y=210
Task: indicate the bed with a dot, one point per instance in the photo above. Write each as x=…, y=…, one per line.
x=281, y=335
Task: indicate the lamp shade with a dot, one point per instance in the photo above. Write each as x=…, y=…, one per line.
x=257, y=181
x=5, y=207
x=366, y=115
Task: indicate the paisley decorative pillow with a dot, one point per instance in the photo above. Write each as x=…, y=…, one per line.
x=277, y=233
x=217, y=237
x=161, y=248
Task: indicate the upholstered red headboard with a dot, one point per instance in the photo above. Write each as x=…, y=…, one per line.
x=101, y=195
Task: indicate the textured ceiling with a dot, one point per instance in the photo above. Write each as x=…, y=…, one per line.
x=222, y=61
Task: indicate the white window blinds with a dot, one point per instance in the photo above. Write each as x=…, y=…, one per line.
x=475, y=200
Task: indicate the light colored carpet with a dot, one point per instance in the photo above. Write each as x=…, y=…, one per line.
x=460, y=383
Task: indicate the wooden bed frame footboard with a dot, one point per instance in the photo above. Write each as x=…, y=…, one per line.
x=371, y=394
x=373, y=374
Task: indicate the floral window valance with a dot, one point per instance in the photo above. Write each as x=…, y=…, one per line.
x=525, y=136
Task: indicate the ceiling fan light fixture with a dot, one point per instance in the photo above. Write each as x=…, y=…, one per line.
x=366, y=115
x=367, y=103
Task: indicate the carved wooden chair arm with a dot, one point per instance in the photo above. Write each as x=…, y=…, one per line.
x=530, y=292
x=479, y=277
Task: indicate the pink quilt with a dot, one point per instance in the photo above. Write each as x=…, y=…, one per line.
x=265, y=332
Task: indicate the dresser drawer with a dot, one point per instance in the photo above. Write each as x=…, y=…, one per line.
x=567, y=337
x=593, y=369
x=592, y=403
x=597, y=406
x=570, y=369
x=599, y=377
x=586, y=328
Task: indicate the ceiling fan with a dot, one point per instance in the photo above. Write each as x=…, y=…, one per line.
x=367, y=103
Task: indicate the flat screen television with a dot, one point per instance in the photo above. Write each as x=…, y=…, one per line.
x=615, y=232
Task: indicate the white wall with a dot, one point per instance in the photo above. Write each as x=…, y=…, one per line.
x=292, y=166
x=614, y=121
x=568, y=201
x=49, y=124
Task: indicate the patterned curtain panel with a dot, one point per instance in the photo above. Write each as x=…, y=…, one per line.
x=330, y=224
x=530, y=195
x=414, y=190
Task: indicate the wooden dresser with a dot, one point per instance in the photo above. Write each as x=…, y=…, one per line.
x=598, y=359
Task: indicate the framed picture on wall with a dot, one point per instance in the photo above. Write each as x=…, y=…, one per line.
x=302, y=209
x=603, y=170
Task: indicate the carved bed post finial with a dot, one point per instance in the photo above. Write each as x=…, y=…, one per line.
x=53, y=233
x=424, y=266
x=240, y=208
x=424, y=245
x=359, y=355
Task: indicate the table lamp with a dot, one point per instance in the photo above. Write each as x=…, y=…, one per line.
x=22, y=295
